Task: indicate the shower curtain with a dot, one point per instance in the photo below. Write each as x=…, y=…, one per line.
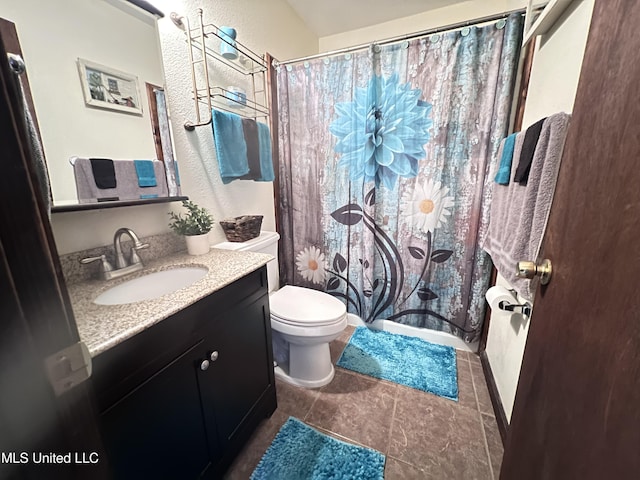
x=384, y=166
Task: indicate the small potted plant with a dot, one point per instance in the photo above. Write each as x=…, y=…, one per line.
x=195, y=227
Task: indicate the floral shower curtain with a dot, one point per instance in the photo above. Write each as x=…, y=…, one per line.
x=384, y=173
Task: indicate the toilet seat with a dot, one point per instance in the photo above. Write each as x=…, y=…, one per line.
x=294, y=323
x=304, y=307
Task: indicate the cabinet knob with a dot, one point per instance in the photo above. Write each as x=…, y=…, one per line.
x=214, y=356
x=204, y=365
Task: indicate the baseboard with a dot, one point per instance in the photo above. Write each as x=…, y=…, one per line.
x=498, y=409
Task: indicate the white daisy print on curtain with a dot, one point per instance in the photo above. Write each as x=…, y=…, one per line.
x=311, y=265
x=428, y=206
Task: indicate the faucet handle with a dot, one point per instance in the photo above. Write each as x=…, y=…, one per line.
x=134, y=254
x=106, y=266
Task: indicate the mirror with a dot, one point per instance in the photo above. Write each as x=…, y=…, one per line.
x=88, y=65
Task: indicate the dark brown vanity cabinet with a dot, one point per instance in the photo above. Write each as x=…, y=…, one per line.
x=185, y=412
x=156, y=431
x=236, y=376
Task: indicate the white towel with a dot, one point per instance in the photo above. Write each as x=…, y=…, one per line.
x=519, y=213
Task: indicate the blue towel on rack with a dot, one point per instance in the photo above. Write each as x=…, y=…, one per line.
x=266, y=162
x=231, y=148
x=146, y=173
x=504, y=170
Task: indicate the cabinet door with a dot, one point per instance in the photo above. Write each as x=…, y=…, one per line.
x=243, y=370
x=157, y=430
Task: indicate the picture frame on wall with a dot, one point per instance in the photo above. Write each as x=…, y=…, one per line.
x=108, y=88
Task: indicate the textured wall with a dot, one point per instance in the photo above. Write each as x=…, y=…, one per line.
x=264, y=26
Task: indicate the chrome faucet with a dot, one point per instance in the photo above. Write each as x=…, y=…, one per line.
x=107, y=272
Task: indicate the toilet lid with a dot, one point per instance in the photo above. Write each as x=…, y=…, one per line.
x=304, y=306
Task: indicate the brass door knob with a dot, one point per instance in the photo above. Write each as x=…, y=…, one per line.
x=528, y=269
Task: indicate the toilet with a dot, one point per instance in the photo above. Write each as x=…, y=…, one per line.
x=303, y=321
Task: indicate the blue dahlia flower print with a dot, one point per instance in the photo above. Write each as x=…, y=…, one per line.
x=382, y=133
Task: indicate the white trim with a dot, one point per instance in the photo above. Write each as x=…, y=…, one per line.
x=546, y=19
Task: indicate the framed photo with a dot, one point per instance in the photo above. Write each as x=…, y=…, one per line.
x=106, y=87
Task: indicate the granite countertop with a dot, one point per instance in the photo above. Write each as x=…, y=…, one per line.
x=104, y=326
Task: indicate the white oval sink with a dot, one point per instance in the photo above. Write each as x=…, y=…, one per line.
x=150, y=286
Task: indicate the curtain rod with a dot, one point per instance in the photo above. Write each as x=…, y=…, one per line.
x=452, y=26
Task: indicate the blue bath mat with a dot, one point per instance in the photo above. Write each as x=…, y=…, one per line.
x=402, y=359
x=301, y=453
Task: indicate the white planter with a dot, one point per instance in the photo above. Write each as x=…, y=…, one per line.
x=197, y=244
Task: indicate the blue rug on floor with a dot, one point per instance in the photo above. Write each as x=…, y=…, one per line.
x=301, y=453
x=402, y=359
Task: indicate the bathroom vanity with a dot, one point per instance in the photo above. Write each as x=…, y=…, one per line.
x=181, y=397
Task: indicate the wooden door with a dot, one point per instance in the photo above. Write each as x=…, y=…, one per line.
x=577, y=407
x=35, y=321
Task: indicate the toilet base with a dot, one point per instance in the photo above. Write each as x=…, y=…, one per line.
x=282, y=374
x=305, y=361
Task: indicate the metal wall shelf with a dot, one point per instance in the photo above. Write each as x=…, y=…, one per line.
x=204, y=43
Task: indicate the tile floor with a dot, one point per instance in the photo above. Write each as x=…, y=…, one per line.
x=423, y=436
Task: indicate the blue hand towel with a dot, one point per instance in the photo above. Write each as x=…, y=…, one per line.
x=504, y=171
x=266, y=162
x=146, y=173
x=231, y=148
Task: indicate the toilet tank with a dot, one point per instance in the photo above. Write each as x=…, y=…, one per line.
x=266, y=242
